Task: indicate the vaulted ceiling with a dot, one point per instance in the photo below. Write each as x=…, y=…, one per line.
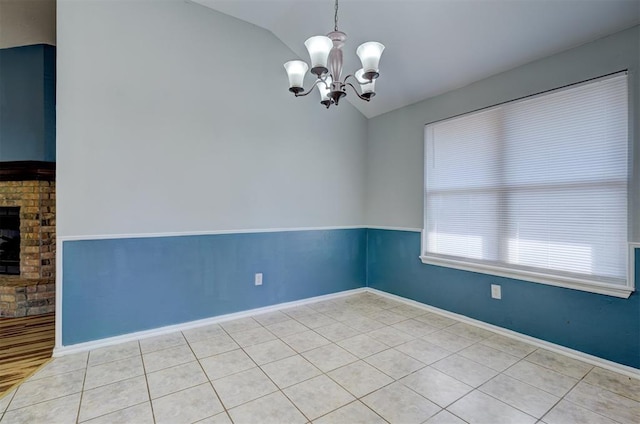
x=433, y=46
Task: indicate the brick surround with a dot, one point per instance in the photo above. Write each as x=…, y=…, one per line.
x=34, y=192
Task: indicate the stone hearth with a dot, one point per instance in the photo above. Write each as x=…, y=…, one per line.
x=31, y=187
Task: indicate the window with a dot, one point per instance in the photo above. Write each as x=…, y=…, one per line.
x=534, y=189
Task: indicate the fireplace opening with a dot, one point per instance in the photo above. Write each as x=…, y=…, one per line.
x=10, y=240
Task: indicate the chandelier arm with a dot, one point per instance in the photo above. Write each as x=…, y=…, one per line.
x=365, y=98
x=306, y=93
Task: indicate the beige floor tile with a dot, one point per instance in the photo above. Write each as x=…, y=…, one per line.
x=166, y=358
x=273, y=350
x=436, y=320
x=138, y=414
x=113, y=397
x=62, y=410
x=604, y=402
x=202, y=333
x=110, y=372
x=423, y=351
x=162, y=342
x=393, y=363
x=62, y=365
x=187, y=406
x=436, y=386
x=520, y=395
x=387, y=317
x=560, y=363
x=509, y=345
x=362, y=345
x=286, y=328
x=289, y=371
x=174, y=379
x=477, y=407
x=566, y=412
x=360, y=378
x=307, y=340
x=213, y=346
x=329, y=357
x=414, y=327
x=465, y=370
x=408, y=310
x=253, y=337
x=448, y=341
x=47, y=388
x=489, y=357
x=114, y=353
x=227, y=363
x=617, y=383
x=298, y=311
x=237, y=325
x=444, y=417
x=542, y=378
x=315, y=320
x=469, y=331
x=4, y=401
x=271, y=318
x=390, y=336
x=221, y=418
x=398, y=404
x=243, y=387
x=363, y=324
x=336, y=332
x=318, y=396
x=270, y=409
x=353, y=413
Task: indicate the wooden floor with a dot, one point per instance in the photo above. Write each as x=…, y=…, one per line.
x=25, y=344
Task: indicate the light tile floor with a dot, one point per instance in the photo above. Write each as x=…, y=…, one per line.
x=356, y=359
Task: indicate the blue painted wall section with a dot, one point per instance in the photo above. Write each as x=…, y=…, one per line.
x=604, y=326
x=120, y=286
x=27, y=103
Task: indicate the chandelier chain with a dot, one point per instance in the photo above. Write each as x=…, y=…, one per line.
x=335, y=28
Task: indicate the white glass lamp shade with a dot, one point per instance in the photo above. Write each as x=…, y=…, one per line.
x=324, y=88
x=367, y=86
x=295, y=71
x=319, y=47
x=369, y=54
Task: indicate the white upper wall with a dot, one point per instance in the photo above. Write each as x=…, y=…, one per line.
x=27, y=22
x=395, y=151
x=172, y=117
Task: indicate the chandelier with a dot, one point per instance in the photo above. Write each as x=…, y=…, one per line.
x=326, y=64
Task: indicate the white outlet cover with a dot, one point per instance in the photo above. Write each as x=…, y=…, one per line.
x=258, y=279
x=496, y=291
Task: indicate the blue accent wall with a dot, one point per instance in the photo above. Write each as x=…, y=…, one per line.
x=27, y=103
x=119, y=286
x=604, y=326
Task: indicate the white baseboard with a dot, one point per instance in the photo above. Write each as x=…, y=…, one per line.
x=110, y=341
x=575, y=354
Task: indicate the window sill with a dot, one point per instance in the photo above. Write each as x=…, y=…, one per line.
x=552, y=280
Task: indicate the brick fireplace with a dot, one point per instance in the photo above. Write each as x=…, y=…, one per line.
x=29, y=186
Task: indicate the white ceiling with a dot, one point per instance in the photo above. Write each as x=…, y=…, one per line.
x=433, y=46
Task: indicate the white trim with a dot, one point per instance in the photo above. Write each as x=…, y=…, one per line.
x=110, y=341
x=382, y=227
x=575, y=354
x=631, y=261
x=205, y=233
x=536, y=277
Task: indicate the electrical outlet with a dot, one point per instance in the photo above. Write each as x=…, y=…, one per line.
x=258, y=279
x=496, y=291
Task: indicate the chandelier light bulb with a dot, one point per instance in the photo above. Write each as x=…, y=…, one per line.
x=318, y=47
x=295, y=71
x=369, y=54
x=367, y=86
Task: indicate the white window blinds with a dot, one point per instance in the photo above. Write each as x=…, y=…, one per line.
x=538, y=185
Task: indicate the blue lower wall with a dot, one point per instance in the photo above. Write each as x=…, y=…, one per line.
x=603, y=326
x=118, y=286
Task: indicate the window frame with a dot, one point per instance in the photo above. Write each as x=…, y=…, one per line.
x=535, y=276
